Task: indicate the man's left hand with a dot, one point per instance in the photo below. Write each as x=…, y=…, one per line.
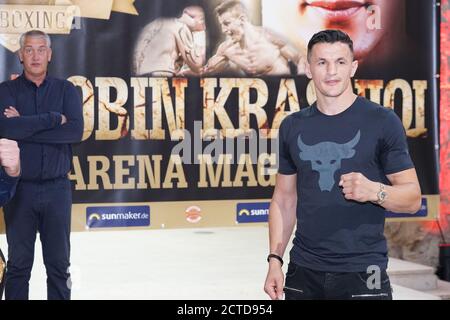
x=11, y=112
x=356, y=186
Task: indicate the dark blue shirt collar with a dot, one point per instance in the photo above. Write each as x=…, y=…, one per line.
x=29, y=82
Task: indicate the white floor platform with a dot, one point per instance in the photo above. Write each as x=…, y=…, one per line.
x=210, y=264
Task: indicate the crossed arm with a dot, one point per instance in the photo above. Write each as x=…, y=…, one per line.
x=49, y=127
x=19, y=128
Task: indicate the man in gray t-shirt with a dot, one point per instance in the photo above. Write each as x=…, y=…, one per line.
x=343, y=161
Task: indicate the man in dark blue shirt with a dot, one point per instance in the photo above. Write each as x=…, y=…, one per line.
x=342, y=162
x=9, y=175
x=44, y=115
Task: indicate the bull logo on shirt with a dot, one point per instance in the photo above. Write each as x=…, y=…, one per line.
x=326, y=158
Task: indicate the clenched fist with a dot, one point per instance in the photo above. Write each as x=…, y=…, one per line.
x=10, y=157
x=356, y=186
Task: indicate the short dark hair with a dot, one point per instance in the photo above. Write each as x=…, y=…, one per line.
x=329, y=36
x=229, y=5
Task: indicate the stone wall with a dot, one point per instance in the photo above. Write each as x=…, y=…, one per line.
x=411, y=241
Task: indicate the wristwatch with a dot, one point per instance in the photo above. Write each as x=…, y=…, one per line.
x=381, y=195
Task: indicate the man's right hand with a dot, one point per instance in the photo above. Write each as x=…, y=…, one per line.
x=274, y=281
x=63, y=119
x=10, y=157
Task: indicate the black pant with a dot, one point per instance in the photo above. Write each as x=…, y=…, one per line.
x=45, y=207
x=306, y=284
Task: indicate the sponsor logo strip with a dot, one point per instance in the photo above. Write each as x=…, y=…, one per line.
x=252, y=212
x=120, y=216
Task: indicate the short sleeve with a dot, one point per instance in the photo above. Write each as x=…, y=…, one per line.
x=394, y=146
x=286, y=164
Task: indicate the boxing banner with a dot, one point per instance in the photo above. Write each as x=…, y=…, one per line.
x=182, y=100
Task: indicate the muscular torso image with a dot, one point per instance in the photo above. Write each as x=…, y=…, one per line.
x=258, y=57
x=257, y=54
